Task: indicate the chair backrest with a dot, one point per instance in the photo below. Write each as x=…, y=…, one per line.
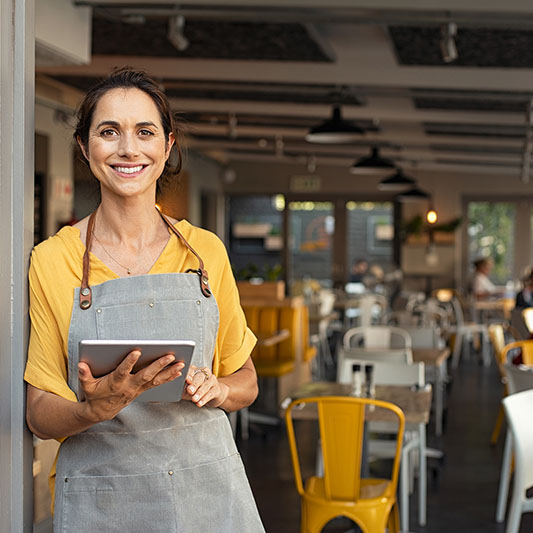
x=526, y=348
x=268, y=320
x=377, y=337
x=518, y=321
x=519, y=378
x=497, y=339
x=527, y=315
x=385, y=372
x=518, y=412
x=425, y=337
x=341, y=425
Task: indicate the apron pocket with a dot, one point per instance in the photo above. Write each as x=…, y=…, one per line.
x=216, y=497
x=141, y=503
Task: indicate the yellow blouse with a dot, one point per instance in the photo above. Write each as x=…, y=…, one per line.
x=56, y=270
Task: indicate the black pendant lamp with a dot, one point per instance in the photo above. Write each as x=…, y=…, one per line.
x=372, y=164
x=413, y=195
x=334, y=130
x=396, y=182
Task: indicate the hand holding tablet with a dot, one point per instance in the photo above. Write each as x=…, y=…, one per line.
x=104, y=356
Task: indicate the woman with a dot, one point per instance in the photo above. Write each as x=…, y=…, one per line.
x=125, y=272
x=482, y=286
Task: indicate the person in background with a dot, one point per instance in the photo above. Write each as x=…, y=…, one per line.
x=525, y=297
x=359, y=271
x=482, y=286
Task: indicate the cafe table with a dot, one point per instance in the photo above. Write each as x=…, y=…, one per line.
x=435, y=358
x=504, y=306
x=431, y=357
x=415, y=404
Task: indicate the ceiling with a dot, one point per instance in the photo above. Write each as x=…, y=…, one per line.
x=257, y=75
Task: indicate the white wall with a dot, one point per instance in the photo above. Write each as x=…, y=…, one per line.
x=60, y=171
x=62, y=32
x=204, y=177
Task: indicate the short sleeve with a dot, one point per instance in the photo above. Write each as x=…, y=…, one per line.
x=235, y=340
x=46, y=367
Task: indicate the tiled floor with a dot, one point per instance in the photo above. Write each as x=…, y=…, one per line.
x=462, y=492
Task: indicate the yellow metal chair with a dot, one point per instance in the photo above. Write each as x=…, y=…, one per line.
x=369, y=502
x=527, y=315
x=527, y=351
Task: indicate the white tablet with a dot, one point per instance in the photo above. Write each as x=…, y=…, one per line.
x=103, y=356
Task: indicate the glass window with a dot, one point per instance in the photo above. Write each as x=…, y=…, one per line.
x=312, y=225
x=370, y=234
x=491, y=229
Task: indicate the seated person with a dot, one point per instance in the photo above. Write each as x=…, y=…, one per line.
x=482, y=286
x=525, y=297
x=359, y=271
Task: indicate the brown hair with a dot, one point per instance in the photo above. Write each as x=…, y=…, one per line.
x=130, y=78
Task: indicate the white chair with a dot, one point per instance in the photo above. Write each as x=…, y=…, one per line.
x=365, y=309
x=519, y=379
x=463, y=330
x=518, y=412
x=396, y=373
x=381, y=342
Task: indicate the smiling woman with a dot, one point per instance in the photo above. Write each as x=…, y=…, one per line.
x=156, y=463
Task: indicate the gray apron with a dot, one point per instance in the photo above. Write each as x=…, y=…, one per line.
x=156, y=467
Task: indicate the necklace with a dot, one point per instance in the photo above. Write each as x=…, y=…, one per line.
x=127, y=269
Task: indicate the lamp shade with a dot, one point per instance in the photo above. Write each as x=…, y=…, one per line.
x=372, y=164
x=396, y=182
x=413, y=195
x=334, y=130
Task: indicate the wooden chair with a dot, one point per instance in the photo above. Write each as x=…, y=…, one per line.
x=497, y=339
x=369, y=502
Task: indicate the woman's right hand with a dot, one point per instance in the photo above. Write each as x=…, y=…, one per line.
x=106, y=396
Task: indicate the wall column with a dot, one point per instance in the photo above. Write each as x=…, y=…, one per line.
x=16, y=239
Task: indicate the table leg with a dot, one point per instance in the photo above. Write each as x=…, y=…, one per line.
x=439, y=397
x=422, y=475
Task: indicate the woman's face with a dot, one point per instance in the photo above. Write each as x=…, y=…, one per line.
x=127, y=149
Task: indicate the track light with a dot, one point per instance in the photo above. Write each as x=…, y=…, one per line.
x=396, y=182
x=372, y=164
x=334, y=130
x=448, y=47
x=413, y=195
x=175, y=34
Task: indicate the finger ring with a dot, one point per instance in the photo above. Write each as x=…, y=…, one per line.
x=203, y=371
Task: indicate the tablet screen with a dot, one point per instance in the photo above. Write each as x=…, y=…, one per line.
x=103, y=356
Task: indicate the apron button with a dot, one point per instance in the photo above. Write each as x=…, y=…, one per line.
x=151, y=304
x=170, y=472
x=85, y=304
x=205, y=280
x=98, y=310
x=66, y=480
x=85, y=291
x=198, y=302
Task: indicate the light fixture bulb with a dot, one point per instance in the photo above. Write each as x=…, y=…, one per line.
x=431, y=216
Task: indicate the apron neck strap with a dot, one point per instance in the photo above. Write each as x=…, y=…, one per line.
x=201, y=271
x=85, y=289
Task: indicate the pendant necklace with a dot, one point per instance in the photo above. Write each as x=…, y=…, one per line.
x=127, y=269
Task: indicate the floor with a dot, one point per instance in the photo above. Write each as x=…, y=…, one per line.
x=462, y=491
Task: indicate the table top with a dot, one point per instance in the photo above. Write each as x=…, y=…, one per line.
x=415, y=403
x=431, y=356
x=495, y=304
x=271, y=339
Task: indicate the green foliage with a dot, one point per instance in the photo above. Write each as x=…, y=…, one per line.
x=491, y=234
x=251, y=270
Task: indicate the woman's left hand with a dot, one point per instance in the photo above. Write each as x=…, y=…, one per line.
x=203, y=388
